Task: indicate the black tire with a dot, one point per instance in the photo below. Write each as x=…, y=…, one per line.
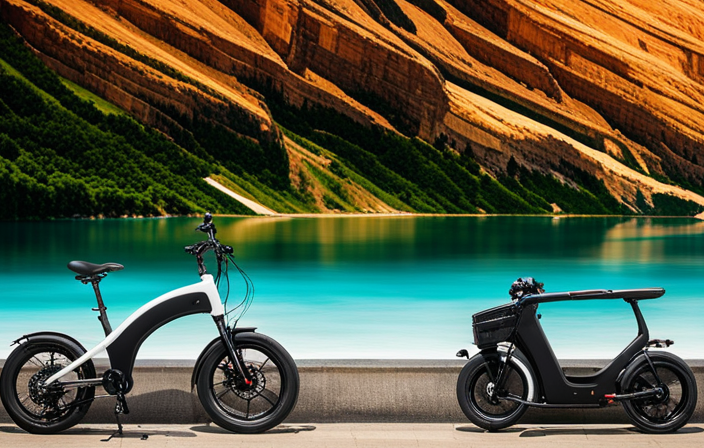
x=40, y=412
x=259, y=407
x=660, y=414
x=476, y=382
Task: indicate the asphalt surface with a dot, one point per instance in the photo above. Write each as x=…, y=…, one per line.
x=343, y=435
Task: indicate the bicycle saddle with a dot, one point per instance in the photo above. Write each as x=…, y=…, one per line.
x=89, y=269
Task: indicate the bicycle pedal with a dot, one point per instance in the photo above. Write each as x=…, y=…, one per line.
x=121, y=405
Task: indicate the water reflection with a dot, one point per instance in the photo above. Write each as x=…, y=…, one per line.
x=654, y=240
x=403, y=238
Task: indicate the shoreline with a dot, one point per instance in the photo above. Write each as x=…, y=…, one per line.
x=435, y=215
x=557, y=216
x=262, y=210
x=373, y=215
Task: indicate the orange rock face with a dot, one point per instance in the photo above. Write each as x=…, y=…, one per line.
x=615, y=88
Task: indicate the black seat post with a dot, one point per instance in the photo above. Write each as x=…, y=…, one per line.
x=103, y=318
x=92, y=273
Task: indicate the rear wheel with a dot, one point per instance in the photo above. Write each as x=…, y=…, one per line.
x=477, y=383
x=38, y=409
x=669, y=411
x=249, y=408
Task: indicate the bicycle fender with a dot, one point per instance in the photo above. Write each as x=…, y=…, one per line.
x=199, y=362
x=52, y=336
x=49, y=336
x=640, y=358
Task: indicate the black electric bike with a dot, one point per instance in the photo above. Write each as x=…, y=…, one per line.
x=247, y=382
x=516, y=367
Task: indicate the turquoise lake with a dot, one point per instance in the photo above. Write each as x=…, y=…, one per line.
x=364, y=287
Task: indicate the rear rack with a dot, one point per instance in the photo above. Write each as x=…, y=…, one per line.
x=591, y=294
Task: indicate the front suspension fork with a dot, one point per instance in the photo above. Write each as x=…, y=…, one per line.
x=226, y=336
x=503, y=365
x=500, y=375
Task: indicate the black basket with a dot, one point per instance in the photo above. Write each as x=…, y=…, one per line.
x=494, y=325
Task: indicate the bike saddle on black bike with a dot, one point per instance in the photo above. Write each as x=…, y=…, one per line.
x=86, y=268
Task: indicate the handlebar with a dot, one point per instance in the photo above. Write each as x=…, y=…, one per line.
x=201, y=247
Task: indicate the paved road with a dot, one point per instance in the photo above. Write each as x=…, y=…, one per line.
x=357, y=435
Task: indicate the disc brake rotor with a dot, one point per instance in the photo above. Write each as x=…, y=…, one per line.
x=258, y=385
x=246, y=392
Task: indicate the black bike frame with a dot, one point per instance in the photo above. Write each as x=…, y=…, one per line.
x=556, y=388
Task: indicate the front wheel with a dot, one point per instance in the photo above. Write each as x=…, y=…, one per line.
x=38, y=409
x=669, y=411
x=249, y=408
x=476, y=385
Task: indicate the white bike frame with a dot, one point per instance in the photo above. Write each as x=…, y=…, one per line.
x=123, y=343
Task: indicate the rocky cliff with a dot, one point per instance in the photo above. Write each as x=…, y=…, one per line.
x=614, y=89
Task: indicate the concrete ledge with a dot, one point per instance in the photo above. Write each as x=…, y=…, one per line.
x=349, y=391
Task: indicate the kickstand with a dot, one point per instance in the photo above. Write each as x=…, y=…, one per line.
x=119, y=429
x=120, y=408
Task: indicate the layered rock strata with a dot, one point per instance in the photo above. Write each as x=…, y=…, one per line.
x=624, y=59
x=612, y=88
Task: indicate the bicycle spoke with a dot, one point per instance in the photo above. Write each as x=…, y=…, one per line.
x=262, y=366
x=247, y=415
x=222, y=394
x=490, y=373
x=266, y=392
x=23, y=400
x=650, y=384
x=38, y=363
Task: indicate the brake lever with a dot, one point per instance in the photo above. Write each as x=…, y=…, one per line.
x=194, y=249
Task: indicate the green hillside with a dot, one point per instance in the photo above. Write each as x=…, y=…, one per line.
x=64, y=152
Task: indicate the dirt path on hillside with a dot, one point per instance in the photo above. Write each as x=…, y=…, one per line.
x=254, y=206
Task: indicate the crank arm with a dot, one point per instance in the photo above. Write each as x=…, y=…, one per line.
x=654, y=392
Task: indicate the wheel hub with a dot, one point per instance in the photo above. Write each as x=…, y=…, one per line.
x=250, y=391
x=239, y=387
x=658, y=399
x=665, y=396
x=490, y=393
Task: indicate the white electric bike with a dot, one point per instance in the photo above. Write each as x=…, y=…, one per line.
x=246, y=381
